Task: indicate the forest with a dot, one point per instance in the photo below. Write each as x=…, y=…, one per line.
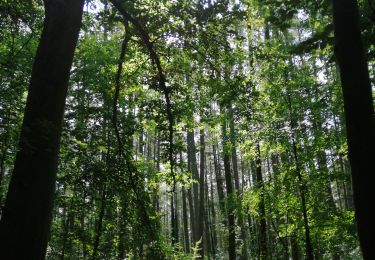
x=187, y=129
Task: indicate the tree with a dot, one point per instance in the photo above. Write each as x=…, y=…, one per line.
x=359, y=116
x=26, y=218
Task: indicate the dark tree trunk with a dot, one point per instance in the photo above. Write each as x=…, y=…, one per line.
x=174, y=218
x=240, y=216
x=211, y=205
x=230, y=193
x=207, y=220
x=200, y=207
x=219, y=180
x=194, y=169
x=99, y=226
x=359, y=115
x=233, y=150
x=262, y=209
x=185, y=221
x=25, y=223
x=309, y=251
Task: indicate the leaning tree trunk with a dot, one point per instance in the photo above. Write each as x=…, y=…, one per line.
x=359, y=115
x=27, y=214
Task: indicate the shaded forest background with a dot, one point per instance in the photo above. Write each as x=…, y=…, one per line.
x=193, y=129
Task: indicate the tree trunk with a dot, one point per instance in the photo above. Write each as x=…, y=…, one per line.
x=359, y=115
x=301, y=183
x=200, y=219
x=99, y=227
x=194, y=169
x=240, y=216
x=211, y=205
x=174, y=218
x=25, y=224
x=219, y=180
x=230, y=193
x=262, y=209
x=185, y=221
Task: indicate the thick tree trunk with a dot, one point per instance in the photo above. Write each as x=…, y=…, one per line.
x=359, y=115
x=25, y=223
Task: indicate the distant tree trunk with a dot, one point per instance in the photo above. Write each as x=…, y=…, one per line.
x=230, y=193
x=155, y=195
x=233, y=149
x=301, y=183
x=207, y=219
x=192, y=214
x=195, y=186
x=99, y=226
x=240, y=216
x=200, y=219
x=26, y=219
x=262, y=209
x=294, y=248
x=174, y=218
x=211, y=205
x=219, y=180
x=185, y=221
x=359, y=115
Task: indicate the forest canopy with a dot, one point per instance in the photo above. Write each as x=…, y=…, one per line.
x=187, y=129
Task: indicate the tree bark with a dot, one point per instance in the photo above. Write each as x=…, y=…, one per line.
x=25, y=223
x=359, y=115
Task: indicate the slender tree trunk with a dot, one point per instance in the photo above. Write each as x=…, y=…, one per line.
x=26, y=219
x=185, y=221
x=195, y=186
x=174, y=218
x=99, y=226
x=262, y=210
x=302, y=185
x=207, y=219
x=192, y=214
x=359, y=115
x=230, y=193
x=155, y=195
x=213, y=216
x=240, y=216
x=219, y=180
x=233, y=149
x=294, y=248
x=200, y=219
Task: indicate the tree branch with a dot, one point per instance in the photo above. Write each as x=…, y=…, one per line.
x=161, y=77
